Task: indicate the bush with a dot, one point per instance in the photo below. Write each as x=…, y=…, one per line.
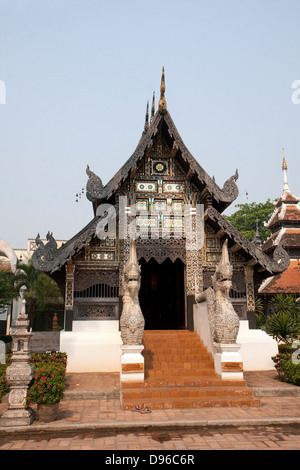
x=283, y=326
x=287, y=365
x=4, y=387
x=48, y=383
x=48, y=386
x=291, y=372
x=260, y=321
x=48, y=358
x=285, y=303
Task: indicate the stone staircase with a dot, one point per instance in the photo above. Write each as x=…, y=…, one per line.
x=179, y=373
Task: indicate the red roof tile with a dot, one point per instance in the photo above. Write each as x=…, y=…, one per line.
x=287, y=197
x=287, y=282
x=288, y=213
x=290, y=235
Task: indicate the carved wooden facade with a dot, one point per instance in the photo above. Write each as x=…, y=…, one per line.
x=158, y=189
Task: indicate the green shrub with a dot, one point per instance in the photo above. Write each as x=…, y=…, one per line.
x=260, y=321
x=287, y=363
x=48, y=385
x=291, y=372
x=4, y=387
x=283, y=326
x=48, y=358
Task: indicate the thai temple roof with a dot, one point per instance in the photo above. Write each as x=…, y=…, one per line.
x=50, y=258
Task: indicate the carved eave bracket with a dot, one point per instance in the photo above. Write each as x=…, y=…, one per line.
x=48, y=258
x=45, y=254
x=230, y=190
x=94, y=186
x=281, y=259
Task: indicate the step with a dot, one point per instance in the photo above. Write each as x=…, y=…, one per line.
x=174, y=362
x=180, y=372
x=180, y=350
x=176, y=358
x=190, y=402
x=169, y=332
x=187, y=392
x=184, y=381
x=155, y=364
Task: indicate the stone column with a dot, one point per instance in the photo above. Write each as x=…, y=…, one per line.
x=19, y=375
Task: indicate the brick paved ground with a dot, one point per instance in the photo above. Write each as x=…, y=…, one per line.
x=239, y=438
x=100, y=423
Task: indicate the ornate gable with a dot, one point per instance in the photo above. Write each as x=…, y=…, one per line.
x=160, y=176
x=161, y=155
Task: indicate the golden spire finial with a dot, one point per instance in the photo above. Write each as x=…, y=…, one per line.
x=162, y=105
x=284, y=169
x=284, y=165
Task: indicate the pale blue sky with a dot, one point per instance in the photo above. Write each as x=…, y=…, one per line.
x=78, y=74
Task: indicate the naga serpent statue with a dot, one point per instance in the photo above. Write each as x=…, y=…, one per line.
x=223, y=319
x=132, y=321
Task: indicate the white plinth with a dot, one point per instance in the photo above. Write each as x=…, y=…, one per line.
x=92, y=346
x=132, y=364
x=228, y=362
x=257, y=348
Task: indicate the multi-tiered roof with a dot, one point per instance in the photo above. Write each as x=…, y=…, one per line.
x=284, y=225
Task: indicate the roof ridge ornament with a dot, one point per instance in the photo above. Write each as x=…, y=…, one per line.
x=146, y=127
x=286, y=188
x=44, y=254
x=162, y=105
x=284, y=165
x=153, y=107
x=94, y=186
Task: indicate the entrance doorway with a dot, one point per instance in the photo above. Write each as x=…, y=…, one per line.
x=162, y=294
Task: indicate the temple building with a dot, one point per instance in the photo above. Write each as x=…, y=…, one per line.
x=284, y=225
x=176, y=210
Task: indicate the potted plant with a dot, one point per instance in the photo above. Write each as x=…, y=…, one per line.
x=47, y=389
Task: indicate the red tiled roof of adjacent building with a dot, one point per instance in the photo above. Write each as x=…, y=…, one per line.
x=287, y=282
x=290, y=235
x=285, y=213
x=287, y=197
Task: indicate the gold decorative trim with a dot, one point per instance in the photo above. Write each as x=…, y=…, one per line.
x=162, y=105
x=232, y=367
x=132, y=367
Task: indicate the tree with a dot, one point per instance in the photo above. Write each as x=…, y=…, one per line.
x=248, y=215
x=49, y=302
x=8, y=289
x=41, y=291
